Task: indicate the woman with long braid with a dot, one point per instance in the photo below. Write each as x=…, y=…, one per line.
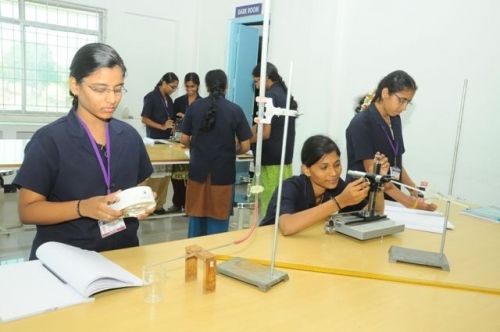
x=215, y=130
x=273, y=134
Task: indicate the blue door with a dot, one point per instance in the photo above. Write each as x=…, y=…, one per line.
x=241, y=89
x=242, y=58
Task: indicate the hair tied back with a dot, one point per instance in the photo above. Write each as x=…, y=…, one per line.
x=368, y=100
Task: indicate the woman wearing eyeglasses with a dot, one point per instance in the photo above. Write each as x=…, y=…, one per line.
x=159, y=117
x=158, y=111
x=180, y=172
x=377, y=127
x=73, y=166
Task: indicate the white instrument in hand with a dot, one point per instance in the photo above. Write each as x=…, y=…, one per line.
x=135, y=201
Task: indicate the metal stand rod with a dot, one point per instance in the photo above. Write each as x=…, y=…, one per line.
x=427, y=258
x=282, y=166
x=454, y=164
x=262, y=92
x=239, y=268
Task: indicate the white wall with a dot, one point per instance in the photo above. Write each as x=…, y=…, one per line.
x=213, y=34
x=346, y=47
x=152, y=40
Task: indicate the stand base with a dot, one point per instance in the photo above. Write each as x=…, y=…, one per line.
x=251, y=273
x=421, y=257
x=363, y=227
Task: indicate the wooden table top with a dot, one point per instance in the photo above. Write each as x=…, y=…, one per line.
x=309, y=301
x=12, y=153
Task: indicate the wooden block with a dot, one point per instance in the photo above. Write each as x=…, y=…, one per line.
x=193, y=249
x=191, y=265
x=194, y=252
x=210, y=272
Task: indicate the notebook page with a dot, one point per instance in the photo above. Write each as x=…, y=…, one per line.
x=28, y=288
x=81, y=268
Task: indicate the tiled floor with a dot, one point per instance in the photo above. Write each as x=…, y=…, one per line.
x=16, y=239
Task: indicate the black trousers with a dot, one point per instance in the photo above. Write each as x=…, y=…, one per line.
x=179, y=197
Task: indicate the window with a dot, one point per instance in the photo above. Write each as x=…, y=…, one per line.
x=38, y=40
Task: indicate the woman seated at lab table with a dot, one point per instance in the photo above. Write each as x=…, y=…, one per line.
x=320, y=191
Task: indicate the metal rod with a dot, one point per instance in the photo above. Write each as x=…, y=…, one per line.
x=432, y=194
x=454, y=163
x=262, y=92
x=282, y=166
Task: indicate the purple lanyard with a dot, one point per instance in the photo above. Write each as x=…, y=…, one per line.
x=164, y=100
x=395, y=148
x=105, y=172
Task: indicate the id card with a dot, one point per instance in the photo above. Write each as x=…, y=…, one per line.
x=395, y=173
x=111, y=227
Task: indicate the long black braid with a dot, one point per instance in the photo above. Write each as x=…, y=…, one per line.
x=216, y=82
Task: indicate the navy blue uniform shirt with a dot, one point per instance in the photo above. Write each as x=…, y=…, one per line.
x=214, y=152
x=271, y=147
x=181, y=104
x=368, y=134
x=159, y=109
x=298, y=195
x=60, y=164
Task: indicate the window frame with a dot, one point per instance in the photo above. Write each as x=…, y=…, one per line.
x=23, y=24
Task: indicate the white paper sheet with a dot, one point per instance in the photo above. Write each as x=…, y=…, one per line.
x=416, y=219
x=28, y=289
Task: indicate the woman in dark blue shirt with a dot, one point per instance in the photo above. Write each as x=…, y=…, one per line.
x=179, y=172
x=273, y=134
x=158, y=110
x=73, y=167
x=159, y=117
x=216, y=130
x=377, y=127
x=319, y=191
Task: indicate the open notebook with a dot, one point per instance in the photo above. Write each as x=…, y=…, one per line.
x=63, y=276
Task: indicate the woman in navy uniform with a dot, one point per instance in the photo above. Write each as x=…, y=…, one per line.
x=158, y=111
x=273, y=134
x=319, y=191
x=377, y=127
x=191, y=84
x=159, y=117
x=215, y=130
x=179, y=172
x=74, y=166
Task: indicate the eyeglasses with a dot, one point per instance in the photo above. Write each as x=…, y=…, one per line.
x=172, y=86
x=403, y=100
x=104, y=90
x=191, y=86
